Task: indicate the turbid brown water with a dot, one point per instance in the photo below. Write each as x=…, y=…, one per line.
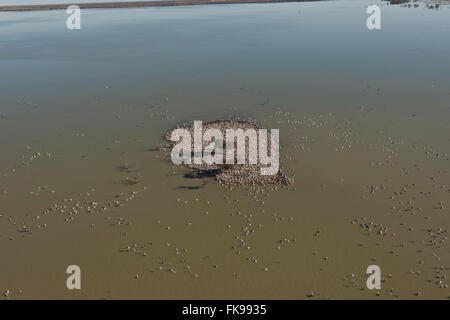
x=363, y=127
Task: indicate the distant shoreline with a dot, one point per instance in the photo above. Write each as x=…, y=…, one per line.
x=138, y=4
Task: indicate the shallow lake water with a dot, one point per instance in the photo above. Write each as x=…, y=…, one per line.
x=363, y=118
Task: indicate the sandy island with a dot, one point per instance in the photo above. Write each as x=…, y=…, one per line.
x=140, y=4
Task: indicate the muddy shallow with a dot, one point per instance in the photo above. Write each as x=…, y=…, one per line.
x=363, y=118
